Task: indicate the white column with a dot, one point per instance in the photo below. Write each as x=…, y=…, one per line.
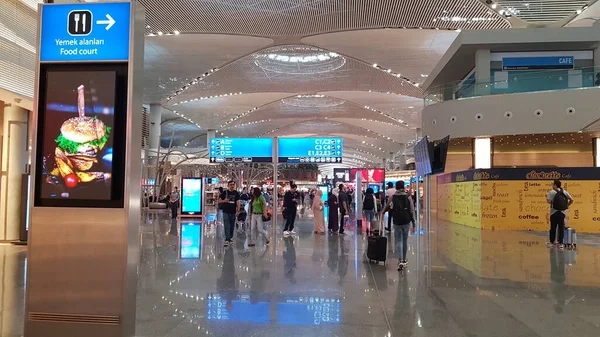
x=482, y=71
x=15, y=158
x=210, y=134
x=401, y=158
x=155, y=119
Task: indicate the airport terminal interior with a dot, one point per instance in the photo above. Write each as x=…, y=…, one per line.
x=352, y=168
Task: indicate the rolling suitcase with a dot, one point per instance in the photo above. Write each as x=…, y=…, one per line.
x=377, y=249
x=570, y=238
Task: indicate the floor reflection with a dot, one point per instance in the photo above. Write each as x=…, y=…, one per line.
x=461, y=282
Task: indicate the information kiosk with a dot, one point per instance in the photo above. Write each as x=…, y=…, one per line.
x=85, y=215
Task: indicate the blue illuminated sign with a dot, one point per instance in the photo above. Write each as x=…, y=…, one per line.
x=310, y=150
x=85, y=32
x=190, y=241
x=325, y=195
x=543, y=62
x=241, y=150
x=191, y=196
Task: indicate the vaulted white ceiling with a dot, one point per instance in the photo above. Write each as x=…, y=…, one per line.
x=282, y=68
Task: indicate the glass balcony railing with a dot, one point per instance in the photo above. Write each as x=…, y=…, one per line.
x=516, y=81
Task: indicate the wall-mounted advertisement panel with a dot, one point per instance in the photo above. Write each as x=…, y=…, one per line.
x=341, y=174
x=369, y=175
x=310, y=150
x=191, y=196
x=241, y=150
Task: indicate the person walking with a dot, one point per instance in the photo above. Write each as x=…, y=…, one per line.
x=290, y=206
x=389, y=193
x=174, y=201
x=318, y=209
x=230, y=204
x=369, y=208
x=402, y=211
x=560, y=201
x=344, y=210
x=258, y=208
x=333, y=203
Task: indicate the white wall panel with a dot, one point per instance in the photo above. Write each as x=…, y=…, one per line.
x=18, y=26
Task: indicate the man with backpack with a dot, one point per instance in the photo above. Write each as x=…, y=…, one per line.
x=559, y=201
x=402, y=211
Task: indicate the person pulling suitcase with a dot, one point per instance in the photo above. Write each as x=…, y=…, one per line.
x=402, y=211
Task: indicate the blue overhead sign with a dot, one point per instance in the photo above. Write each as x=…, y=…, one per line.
x=85, y=32
x=241, y=150
x=310, y=150
x=543, y=62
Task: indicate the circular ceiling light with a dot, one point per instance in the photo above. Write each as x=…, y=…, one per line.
x=313, y=101
x=299, y=60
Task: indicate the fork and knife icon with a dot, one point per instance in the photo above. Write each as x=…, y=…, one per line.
x=83, y=22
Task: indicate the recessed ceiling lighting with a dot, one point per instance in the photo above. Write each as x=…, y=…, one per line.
x=176, y=32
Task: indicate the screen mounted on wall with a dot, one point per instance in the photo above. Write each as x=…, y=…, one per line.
x=79, y=132
x=369, y=175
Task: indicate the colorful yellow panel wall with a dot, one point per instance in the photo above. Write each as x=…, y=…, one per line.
x=515, y=199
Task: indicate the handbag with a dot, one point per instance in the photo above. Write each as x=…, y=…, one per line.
x=284, y=214
x=267, y=218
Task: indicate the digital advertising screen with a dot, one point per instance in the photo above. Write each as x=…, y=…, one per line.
x=309, y=310
x=241, y=150
x=341, y=174
x=191, y=196
x=80, y=121
x=368, y=175
x=325, y=196
x=310, y=150
x=190, y=240
x=376, y=187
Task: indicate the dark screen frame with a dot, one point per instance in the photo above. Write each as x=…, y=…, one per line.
x=117, y=199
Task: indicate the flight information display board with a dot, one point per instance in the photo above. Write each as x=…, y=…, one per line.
x=310, y=150
x=241, y=150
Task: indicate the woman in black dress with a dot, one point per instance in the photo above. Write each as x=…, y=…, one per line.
x=334, y=223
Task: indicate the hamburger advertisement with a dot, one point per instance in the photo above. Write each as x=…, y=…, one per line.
x=78, y=142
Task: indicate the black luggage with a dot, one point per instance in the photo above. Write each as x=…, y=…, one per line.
x=377, y=249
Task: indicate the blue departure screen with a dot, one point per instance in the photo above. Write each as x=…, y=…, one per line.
x=310, y=150
x=241, y=150
x=190, y=241
x=191, y=196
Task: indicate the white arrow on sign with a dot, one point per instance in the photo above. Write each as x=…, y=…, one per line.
x=109, y=22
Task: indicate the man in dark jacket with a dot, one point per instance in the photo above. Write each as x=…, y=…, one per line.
x=290, y=206
x=403, y=212
x=344, y=209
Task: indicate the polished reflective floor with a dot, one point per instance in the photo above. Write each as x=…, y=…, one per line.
x=460, y=282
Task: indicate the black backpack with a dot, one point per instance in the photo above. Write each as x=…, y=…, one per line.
x=401, y=212
x=369, y=202
x=560, y=201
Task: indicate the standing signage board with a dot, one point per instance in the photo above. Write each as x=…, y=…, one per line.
x=87, y=144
